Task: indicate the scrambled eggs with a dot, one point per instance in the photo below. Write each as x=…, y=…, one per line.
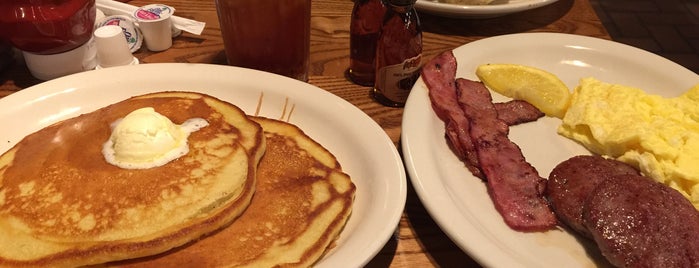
x=659, y=136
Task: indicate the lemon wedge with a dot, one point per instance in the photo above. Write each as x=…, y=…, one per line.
x=540, y=88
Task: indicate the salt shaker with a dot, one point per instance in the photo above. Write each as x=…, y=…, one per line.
x=398, y=53
x=367, y=17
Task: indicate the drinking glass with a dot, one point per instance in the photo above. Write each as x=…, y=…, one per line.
x=268, y=35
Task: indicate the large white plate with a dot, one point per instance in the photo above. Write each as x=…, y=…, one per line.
x=494, y=9
x=459, y=202
x=363, y=149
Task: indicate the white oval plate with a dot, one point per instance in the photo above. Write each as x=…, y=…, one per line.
x=495, y=9
x=459, y=202
x=361, y=146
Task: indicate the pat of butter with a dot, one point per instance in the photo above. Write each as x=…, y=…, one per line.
x=146, y=139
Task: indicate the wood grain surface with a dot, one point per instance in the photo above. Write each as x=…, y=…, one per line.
x=418, y=240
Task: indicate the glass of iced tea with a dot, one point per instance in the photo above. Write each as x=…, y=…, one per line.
x=268, y=35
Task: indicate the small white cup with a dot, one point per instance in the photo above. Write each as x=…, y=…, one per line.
x=134, y=37
x=112, y=49
x=156, y=25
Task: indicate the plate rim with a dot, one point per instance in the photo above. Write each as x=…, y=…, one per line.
x=478, y=11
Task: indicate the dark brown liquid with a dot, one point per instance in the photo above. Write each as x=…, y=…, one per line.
x=365, y=27
x=267, y=35
x=398, y=56
x=362, y=69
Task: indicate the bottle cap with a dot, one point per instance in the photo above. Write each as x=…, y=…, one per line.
x=112, y=49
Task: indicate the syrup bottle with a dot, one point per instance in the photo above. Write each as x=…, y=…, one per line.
x=398, y=53
x=367, y=16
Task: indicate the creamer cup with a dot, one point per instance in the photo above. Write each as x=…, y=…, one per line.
x=112, y=49
x=156, y=25
x=133, y=35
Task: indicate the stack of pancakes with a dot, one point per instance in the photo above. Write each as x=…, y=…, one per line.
x=251, y=191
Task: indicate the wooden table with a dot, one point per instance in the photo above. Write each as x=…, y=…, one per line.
x=418, y=241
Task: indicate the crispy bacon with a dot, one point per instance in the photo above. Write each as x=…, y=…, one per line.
x=439, y=74
x=514, y=185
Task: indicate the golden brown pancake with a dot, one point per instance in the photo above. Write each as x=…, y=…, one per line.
x=302, y=202
x=62, y=204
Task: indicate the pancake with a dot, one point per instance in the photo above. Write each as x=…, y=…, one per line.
x=301, y=204
x=62, y=204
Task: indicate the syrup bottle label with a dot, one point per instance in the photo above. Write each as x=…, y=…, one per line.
x=395, y=81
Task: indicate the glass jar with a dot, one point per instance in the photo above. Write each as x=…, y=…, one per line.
x=47, y=26
x=398, y=54
x=365, y=27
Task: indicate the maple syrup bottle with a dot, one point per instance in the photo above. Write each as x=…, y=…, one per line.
x=367, y=16
x=398, y=53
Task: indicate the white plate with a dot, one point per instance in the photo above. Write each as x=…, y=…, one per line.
x=494, y=9
x=459, y=202
x=363, y=149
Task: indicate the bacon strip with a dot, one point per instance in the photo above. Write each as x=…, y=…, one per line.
x=514, y=185
x=439, y=75
x=515, y=112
